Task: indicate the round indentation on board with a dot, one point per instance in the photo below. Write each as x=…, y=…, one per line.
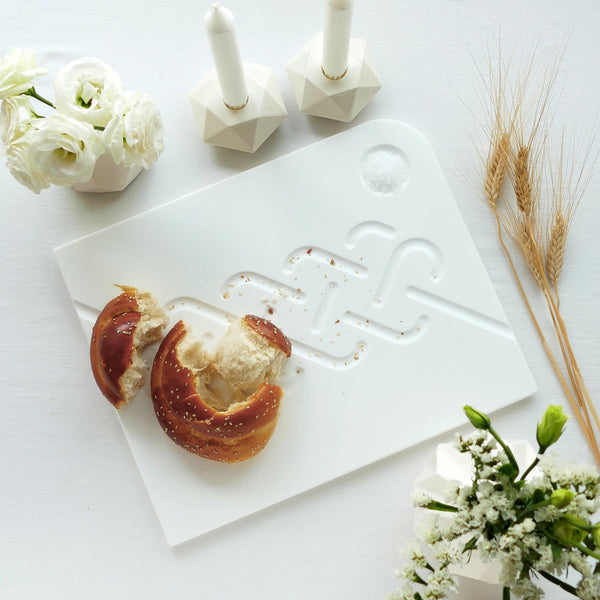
x=384, y=170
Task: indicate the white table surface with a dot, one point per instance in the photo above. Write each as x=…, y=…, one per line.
x=75, y=520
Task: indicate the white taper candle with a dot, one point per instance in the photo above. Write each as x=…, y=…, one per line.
x=336, y=37
x=219, y=25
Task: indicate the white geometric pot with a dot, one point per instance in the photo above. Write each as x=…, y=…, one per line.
x=340, y=99
x=108, y=176
x=244, y=128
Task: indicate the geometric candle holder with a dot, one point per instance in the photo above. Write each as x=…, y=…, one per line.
x=243, y=128
x=340, y=99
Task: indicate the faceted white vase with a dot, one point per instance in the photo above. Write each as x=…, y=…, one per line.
x=108, y=176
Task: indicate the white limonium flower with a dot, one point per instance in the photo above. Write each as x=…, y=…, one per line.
x=15, y=118
x=134, y=135
x=64, y=149
x=85, y=90
x=17, y=71
x=535, y=518
x=589, y=588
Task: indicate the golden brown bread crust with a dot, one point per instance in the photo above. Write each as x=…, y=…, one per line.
x=228, y=436
x=269, y=332
x=112, y=348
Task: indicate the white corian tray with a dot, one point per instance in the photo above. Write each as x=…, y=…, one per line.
x=355, y=248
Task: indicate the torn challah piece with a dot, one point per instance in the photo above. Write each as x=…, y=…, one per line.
x=126, y=325
x=222, y=407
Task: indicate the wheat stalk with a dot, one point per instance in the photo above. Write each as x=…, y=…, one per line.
x=556, y=247
x=496, y=169
x=538, y=229
x=530, y=251
x=569, y=179
x=522, y=181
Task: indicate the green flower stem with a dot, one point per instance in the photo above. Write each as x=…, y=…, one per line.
x=440, y=506
x=31, y=92
x=532, y=465
x=556, y=581
x=581, y=547
x=505, y=593
x=418, y=579
x=576, y=522
x=532, y=507
x=471, y=544
x=507, y=450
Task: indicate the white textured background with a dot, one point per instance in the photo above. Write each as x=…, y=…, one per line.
x=75, y=521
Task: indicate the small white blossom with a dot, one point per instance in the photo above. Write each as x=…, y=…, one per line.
x=17, y=71
x=421, y=499
x=440, y=584
x=404, y=593
x=432, y=534
x=415, y=554
x=527, y=590
x=545, y=561
x=564, y=475
x=589, y=587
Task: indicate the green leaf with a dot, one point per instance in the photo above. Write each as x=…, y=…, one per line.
x=471, y=544
x=509, y=470
x=556, y=550
x=440, y=506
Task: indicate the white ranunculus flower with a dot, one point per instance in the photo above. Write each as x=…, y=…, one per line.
x=134, y=136
x=17, y=70
x=15, y=118
x=64, y=149
x=85, y=89
x=23, y=167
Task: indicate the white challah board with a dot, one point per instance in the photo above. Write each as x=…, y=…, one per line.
x=355, y=248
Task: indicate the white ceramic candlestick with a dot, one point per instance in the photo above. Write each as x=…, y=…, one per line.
x=336, y=37
x=340, y=99
x=238, y=105
x=220, y=29
x=334, y=75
